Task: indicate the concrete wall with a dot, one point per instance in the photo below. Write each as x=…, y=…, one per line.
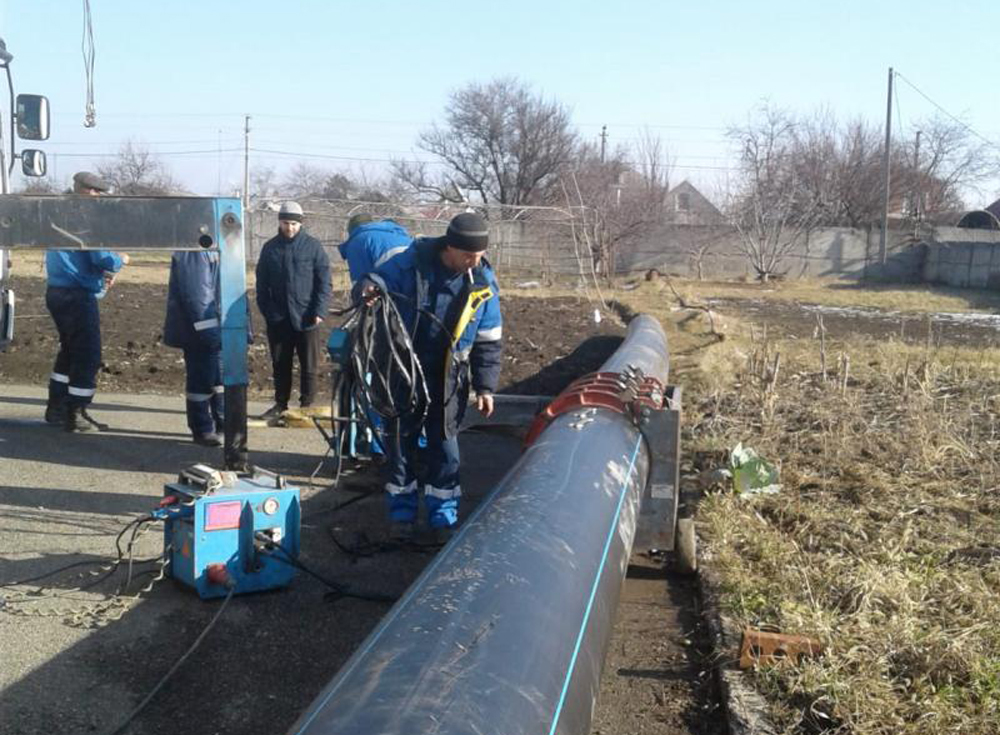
x=836, y=252
x=964, y=258
x=542, y=250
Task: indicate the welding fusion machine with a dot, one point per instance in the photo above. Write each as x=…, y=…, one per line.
x=226, y=532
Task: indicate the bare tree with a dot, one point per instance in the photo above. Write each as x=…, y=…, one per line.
x=500, y=140
x=652, y=163
x=42, y=186
x=136, y=171
x=952, y=161
x=263, y=183
x=380, y=188
x=858, y=175
x=839, y=169
x=772, y=209
x=698, y=243
x=305, y=180
x=416, y=176
x=616, y=200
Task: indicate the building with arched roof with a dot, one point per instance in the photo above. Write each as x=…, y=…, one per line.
x=982, y=219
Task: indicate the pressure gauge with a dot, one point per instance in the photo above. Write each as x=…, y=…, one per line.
x=271, y=506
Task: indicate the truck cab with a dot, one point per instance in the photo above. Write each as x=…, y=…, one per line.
x=29, y=117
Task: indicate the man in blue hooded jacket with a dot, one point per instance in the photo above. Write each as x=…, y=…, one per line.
x=371, y=244
x=192, y=324
x=293, y=295
x=460, y=348
x=76, y=280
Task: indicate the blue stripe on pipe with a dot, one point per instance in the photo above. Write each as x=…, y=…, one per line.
x=402, y=604
x=593, y=589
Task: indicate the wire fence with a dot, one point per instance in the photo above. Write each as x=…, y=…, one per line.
x=525, y=242
x=550, y=244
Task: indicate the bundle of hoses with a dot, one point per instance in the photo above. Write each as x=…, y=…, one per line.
x=385, y=377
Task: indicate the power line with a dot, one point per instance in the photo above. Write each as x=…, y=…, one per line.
x=961, y=122
x=294, y=154
x=313, y=146
x=376, y=121
x=96, y=154
x=657, y=126
x=899, y=114
x=142, y=143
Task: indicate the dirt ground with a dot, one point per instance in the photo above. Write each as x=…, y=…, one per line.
x=656, y=679
x=544, y=342
x=790, y=319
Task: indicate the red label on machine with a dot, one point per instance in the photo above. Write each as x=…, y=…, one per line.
x=222, y=516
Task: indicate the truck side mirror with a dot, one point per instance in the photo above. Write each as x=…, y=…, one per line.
x=32, y=117
x=33, y=162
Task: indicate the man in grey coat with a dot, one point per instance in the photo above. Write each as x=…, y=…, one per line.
x=293, y=295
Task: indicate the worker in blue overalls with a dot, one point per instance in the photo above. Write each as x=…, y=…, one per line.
x=76, y=280
x=192, y=324
x=369, y=245
x=460, y=347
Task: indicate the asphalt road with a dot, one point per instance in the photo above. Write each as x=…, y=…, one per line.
x=72, y=664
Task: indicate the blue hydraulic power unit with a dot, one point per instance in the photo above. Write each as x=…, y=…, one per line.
x=223, y=531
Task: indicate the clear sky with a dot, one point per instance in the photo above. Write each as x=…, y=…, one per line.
x=346, y=86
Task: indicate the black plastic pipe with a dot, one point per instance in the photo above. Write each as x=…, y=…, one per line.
x=506, y=630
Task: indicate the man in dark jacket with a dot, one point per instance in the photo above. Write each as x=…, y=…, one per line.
x=76, y=280
x=293, y=295
x=460, y=348
x=192, y=323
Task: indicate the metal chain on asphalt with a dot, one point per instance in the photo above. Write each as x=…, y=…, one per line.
x=90, y=615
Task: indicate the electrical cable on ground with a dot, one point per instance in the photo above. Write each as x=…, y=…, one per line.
x=338, y=590
x=109, y=609
x=122, y=727
x=105, y=571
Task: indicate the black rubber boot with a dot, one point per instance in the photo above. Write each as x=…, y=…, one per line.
x=55, y=413
x=76, y=419
x=210, y=439
x=274, y=412
x=92, y=421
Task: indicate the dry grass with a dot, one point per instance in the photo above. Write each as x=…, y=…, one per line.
x=885, y=540
x=829, y=292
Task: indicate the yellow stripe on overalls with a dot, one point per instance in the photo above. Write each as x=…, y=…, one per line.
x=476, y=298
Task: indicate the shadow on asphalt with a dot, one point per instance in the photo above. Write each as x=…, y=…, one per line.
x=126, y=450
x=268, y=656
x=99, y=406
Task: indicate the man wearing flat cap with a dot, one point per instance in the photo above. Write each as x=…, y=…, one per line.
x=447, y=296
x=293, y=295
x=76, y=280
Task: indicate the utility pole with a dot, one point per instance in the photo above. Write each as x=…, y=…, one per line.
x=218, y=168
x=246, y=165
x=918, y=204
x=885, y=171
x=604, y=140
